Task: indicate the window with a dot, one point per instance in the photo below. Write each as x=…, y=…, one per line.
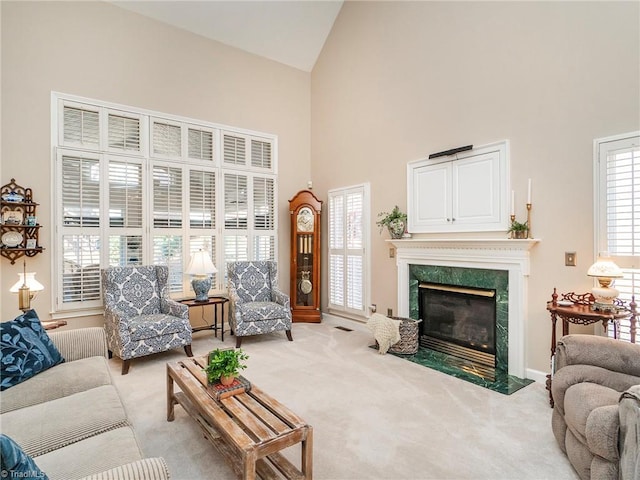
x=348, y=250
x=617, y=211
x=135, y=187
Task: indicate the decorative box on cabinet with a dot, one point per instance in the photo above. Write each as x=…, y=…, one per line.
x=305, y=210
x=19, y=227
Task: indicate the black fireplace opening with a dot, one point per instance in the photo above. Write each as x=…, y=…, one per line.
x=459, y=321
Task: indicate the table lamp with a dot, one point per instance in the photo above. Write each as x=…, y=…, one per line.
x=605, y=271
x=201, y=267
x=27, y=288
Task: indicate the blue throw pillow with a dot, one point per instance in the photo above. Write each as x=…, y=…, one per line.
x=25, y=350
x=14, y=463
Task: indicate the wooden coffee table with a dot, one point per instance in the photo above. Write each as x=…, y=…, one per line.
x=249, y=429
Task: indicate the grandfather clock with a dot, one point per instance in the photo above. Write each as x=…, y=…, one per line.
x=305, y=210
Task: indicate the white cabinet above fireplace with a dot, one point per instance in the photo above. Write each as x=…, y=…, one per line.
x=462, y=193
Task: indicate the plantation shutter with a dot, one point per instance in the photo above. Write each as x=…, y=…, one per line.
x=200, y=144
x=618, y=212
x=355, y=250
x=260, y=154
x=80, y=261
x=234, y=149
x=167, y=250
x=81, y=127
x=236, y=207
x=347, y=242
x=123, y=133
x=80, y=191
x=167, y=139
x=125, y=193
x=202, y=199
x=167, y=196
x=264, y=218
x=236, y=211
x=336, y=250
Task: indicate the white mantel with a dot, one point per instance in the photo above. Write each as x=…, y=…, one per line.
x=487, y=253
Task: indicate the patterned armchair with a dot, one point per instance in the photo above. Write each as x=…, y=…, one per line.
x=140, y=318
x=256, y=304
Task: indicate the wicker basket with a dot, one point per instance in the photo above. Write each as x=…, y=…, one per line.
x=408, y=343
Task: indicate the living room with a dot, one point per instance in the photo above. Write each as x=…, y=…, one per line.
x=394, y=82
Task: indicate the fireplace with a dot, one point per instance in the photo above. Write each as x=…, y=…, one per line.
x=459, y=321
x=501, y=265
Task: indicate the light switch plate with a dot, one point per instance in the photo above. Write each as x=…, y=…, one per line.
x=570, y=259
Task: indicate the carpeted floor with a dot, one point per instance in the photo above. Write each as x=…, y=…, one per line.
x=374, y=416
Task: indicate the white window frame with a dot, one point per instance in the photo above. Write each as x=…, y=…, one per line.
x=343, y=310
x=629, y=264
x=103, y=153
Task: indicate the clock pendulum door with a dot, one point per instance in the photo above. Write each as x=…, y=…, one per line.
x=305, y=285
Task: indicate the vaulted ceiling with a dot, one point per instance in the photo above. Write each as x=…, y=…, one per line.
x=289, y=32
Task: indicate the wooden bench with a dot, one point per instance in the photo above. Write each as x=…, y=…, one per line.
x=248, y=429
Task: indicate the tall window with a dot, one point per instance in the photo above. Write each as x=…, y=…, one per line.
x=135, y=187
x=617, y=212
x=349, y=289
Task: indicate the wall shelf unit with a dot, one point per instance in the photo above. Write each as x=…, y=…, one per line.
x=19, y=227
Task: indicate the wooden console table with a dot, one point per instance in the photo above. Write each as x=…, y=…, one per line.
x=578, y=309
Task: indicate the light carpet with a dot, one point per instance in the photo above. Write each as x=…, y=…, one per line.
x=374, y=416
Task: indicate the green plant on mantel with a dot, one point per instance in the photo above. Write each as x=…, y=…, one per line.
x=225, y=363
x=519, y=230
x=392, y=221
x=518, y=227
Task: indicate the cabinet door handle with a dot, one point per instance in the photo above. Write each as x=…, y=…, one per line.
x=453, y=219
x=448, y=219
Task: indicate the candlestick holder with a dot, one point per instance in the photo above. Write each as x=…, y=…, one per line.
x=529, y=220
x=511, y=232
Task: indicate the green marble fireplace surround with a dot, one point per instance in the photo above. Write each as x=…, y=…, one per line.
x=497, y=280
x=492, y=264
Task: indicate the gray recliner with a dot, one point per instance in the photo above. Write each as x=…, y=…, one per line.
x=594, y=377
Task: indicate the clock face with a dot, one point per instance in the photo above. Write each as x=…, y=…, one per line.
x=305, y=220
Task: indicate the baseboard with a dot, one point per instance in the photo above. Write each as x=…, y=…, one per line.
x=537, y=375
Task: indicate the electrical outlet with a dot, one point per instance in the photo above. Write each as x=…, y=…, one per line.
x=570, y=259
x=389, y=312
x=392, y=252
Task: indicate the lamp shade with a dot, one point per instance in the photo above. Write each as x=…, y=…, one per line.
x=201, y=267
x=31, y=282
x=605, y=267
x=605, y=270
x=201, y=264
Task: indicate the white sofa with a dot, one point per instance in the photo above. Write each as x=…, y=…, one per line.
x=71, y=420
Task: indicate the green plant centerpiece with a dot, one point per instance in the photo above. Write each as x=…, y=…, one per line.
x=395, y=221
x=518, y=230
x=225, y=365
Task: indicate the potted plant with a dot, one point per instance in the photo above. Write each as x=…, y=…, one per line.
x=395, y=221
x=519, y=230
x=225, y=365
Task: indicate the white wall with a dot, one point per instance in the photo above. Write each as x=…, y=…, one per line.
x=97, y=50
x=399, y=80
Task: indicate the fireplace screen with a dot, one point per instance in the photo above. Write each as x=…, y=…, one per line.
x=459, y=320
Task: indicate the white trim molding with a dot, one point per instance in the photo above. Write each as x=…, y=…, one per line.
x=492, y=254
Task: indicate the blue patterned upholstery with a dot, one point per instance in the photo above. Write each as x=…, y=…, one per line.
x=140, y=318
x=256, y=304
